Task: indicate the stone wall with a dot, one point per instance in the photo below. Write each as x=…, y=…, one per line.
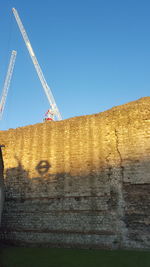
x=1, y=184
x=81, y=182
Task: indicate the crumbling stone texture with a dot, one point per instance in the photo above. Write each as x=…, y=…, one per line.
x=1, y=184
x=81, y=182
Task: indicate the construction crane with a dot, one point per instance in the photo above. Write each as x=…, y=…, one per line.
x=54, y=109
x=7, y=82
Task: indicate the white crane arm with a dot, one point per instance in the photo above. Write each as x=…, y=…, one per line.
x=37, y=67
x=7, y=81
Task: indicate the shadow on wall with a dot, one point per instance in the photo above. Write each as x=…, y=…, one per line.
x=58, y=206
x=1, y=183
x=55, y=202
x=89, y=189
x=19, y=184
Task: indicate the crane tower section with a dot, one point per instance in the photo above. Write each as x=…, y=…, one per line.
x=46, y=88
x=7, y=82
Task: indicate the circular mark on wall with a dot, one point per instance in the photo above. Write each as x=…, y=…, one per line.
x=43, y=167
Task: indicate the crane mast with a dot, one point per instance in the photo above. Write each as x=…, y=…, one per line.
x=7, y=81
x=46, y=88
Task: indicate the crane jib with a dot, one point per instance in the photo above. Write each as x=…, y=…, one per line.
x=37, y=67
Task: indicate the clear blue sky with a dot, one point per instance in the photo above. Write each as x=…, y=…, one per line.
x=95, y=54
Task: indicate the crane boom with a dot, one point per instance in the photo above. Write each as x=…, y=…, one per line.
x=7, y=81
x=37, y=67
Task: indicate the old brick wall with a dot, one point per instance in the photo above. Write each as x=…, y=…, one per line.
x=1, y=184
x=80, y=182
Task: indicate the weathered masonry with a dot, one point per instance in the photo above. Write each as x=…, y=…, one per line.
x=1, y=184
x=81, y=182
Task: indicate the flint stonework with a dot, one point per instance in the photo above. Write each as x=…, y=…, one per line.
x=81, y=182
x=1, y=184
